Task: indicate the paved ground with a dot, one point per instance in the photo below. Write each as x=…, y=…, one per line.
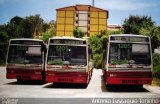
x=9, y=88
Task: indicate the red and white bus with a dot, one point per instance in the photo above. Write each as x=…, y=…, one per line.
x=68, y=60
x=25, y=59
x=128, y=60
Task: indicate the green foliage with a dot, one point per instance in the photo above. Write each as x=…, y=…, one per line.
x=55, y=62
x=98, y=60
x=28, y=27
x=110, y=32
x=45, y=36
x=156, y=62
x=96, y=43
x=143, y=25
x=156, y=59
x=50, y=31
x=134, y=24
x=78, y=33
x=3, y=45
x=154, y=33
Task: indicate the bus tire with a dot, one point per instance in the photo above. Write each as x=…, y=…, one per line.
x=19, y=80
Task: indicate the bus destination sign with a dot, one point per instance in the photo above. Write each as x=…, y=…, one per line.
x=130, y=39
x=67, y=41
x=26, y=42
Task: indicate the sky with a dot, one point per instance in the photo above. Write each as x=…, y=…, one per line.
x=119, y=10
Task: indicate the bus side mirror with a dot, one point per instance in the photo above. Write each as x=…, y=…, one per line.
x=43, y=47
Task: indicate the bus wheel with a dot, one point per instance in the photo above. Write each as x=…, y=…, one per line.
x=19, y=80
x=139, y=86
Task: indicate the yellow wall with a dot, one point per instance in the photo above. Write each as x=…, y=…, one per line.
x=60, y=33
x=94, y=21
x=94, y=14
x=66, y=21
x=60, y=13
x=60, y=20
x=102, y=21
x=69, y=20
x=69, y=28
x=93, y=27
x=102, y=15
x=69, y=33
x=102, y=27
x=60, y=27
x=70, y=14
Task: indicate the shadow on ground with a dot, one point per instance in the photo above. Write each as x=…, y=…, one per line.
x=121, y=88
x=25, y=83
x=66, y=86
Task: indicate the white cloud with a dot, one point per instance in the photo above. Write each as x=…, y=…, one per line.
x=124, y=5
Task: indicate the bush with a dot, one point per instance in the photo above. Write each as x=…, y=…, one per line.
x=98, y=61
x=156, y=59
x=96, y=43
x=156, y=62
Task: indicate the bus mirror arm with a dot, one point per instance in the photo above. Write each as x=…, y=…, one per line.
x=43, y=48
x=131, y=62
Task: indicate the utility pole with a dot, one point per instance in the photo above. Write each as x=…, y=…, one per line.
x=92, y=2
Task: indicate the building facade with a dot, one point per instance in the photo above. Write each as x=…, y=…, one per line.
x=89, y=19
x=114, y=27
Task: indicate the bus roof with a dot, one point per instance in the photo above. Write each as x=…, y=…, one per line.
x=28, y=39
x=131, y=35
x=70, y=38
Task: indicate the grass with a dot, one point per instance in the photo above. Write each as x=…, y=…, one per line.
x=156, y=68
x=156, y=82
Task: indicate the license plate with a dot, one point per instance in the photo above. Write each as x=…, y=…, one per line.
x=65, y=80
x=23, y=77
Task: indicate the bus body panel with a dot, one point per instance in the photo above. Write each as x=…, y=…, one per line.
x=129, y=78
x=34, y=52
x=67, y=77
x=73, y=53
x=128, y=60
x=24, y=74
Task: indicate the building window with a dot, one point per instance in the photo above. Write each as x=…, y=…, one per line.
x=76, y=15
x=76, y=21
x=89, y=15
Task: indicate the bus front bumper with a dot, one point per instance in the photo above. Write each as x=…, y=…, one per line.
x=24, y=76
x=67, y=77
x=128, y=81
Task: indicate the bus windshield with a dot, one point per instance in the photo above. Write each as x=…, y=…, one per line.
x=122, y=53
x=64, y=54
x=25, y=54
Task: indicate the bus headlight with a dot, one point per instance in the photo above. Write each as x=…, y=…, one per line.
x=37, y=72
x=112, y=75
x=11, y=71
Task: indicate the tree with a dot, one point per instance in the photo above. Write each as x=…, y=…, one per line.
x=96, y=43
x=145, y=26
x=49, y=32
x=12, y=26
x=3, y=46
x=36, y=23
x=154, y=34
x=78, y=33
x=134, y=24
